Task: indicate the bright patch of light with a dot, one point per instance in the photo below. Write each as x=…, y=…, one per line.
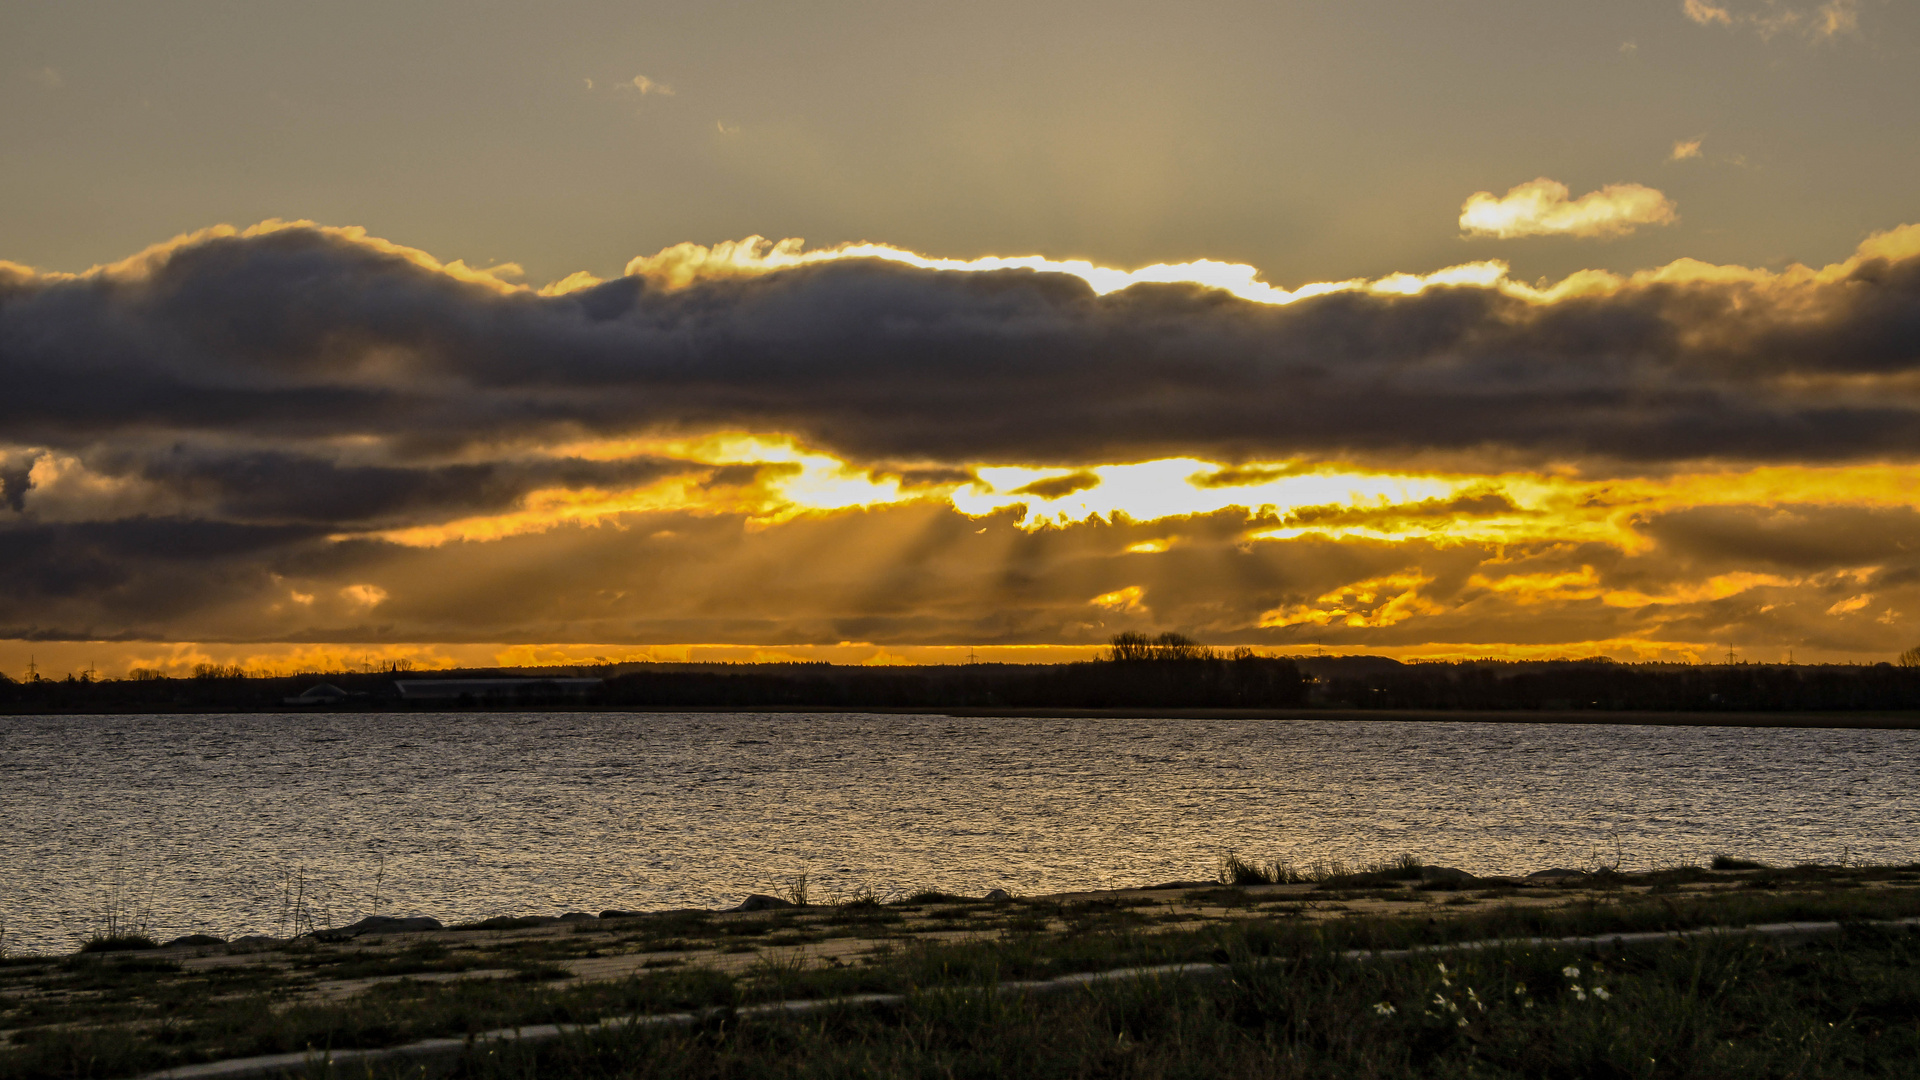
x=1160, y=489
x=685, y=264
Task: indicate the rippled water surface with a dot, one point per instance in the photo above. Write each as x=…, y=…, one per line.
x=197, y=823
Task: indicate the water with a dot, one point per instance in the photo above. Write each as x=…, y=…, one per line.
x=200, y=823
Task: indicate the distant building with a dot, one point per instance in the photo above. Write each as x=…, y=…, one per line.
x=497, y=691
x=319, y=694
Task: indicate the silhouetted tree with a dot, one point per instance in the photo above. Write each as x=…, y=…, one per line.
x=1134, y=647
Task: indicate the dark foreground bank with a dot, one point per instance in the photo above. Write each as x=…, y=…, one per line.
x=1296, y=1000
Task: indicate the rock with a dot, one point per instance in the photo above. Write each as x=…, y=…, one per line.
x=1556, y=874
x=1444, y=873
x=379, y=924
x=578, y=916
x=255, y=941
x=510, y=922
x=194, y=939
x=616, y=913
x=760, y=902
x=1174, y=885
x=999, y=894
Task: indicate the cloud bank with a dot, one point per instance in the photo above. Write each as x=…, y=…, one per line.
x=301, y=434
x=301, y=344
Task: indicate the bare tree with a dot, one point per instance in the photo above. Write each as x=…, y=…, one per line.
x=1135, y=647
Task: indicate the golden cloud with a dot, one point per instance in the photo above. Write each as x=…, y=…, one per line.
x=1128, y=601
x=1823, y=22
x=1544, y=207
x=1381, y=601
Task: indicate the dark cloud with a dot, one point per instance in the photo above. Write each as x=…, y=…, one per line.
x=924, y=476
x=1246, y=475
x=1059, y=487
x=14, y=482
x=300, y=334
x=139, y=575
x=1791, y=538
x=286, y=488
x=1467, y=505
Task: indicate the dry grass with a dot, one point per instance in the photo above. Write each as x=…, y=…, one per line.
x=107, y=1014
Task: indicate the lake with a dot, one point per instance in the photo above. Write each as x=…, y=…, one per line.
x=216, y=823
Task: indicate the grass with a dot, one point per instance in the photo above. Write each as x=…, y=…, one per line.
x=118, y=943
x=1716, y=1009
x=1235, y=870
x=1706, y=1007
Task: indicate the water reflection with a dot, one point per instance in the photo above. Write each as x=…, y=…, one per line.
x=464, y=816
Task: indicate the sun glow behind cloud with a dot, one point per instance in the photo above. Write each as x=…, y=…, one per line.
x=1540, y=207
x=684, y=264
x=1284, y=499
x=769, y=535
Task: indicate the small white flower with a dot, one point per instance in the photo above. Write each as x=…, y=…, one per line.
x=1462, y=1022
x=1475, y=998
x=1384, y=1009
x=1579, y=994
x=1570, y=971
x=1601, y=993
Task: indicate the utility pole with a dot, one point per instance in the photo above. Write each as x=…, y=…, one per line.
x=33, y=671
x=971, y=659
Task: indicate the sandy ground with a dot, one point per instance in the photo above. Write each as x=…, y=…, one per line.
x=610, y=949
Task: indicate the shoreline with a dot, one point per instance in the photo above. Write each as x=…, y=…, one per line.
x=1871, y=720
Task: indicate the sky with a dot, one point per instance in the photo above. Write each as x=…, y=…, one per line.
x=883, y=332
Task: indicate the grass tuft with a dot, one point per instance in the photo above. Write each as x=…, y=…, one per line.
x=99, y=943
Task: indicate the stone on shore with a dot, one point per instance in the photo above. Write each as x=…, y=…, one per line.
x=1555, y=874
x=760, y=902
x=380, y=924
x=1444, y=873
x=510, y=922
x=194, y=939
x=999, y=894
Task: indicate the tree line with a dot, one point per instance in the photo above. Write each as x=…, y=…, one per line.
x=1136, y=671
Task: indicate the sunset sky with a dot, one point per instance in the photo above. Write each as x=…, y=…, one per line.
x=880, y=332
